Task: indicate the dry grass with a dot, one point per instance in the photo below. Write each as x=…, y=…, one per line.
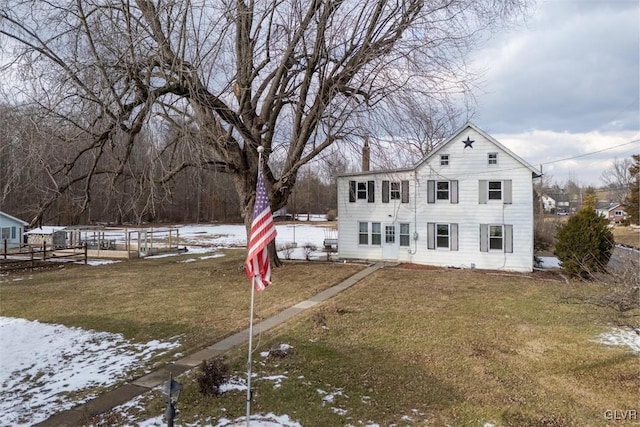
x=627, y=236
x=456, y=348
x=441, y=347
x=201, y=301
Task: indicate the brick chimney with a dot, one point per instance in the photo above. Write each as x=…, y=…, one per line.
x=366, y=155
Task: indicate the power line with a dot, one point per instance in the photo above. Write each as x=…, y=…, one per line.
x=592, y=152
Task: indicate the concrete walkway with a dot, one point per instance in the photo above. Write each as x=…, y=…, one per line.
x=83, y=413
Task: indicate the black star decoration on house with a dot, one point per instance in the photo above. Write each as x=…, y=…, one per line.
x=468, y=143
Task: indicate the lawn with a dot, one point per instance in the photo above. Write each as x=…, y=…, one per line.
x=200, y=302
x=437, y=347
x=627, y=236
x=405, y=346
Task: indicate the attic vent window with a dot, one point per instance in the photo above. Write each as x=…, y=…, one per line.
x=493, y=158
x=444, y=160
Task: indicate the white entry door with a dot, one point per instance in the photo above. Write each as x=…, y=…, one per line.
x=390, y=242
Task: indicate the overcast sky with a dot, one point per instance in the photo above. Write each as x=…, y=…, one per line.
x=564, y=84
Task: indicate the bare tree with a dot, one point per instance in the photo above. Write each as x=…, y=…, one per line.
x=292, y=76
x=617, y=178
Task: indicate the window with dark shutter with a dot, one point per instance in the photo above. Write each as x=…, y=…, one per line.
x=362, y=191
x=371, y=190
x=394, y=191
x=442, y=236
x=496, y=237
x=495, y=190
x=442, y=190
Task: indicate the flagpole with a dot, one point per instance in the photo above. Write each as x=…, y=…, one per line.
x=253, y=290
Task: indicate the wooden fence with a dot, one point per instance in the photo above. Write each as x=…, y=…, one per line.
x=30, y=257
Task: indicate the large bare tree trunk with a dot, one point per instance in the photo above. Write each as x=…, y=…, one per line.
x=294, y=77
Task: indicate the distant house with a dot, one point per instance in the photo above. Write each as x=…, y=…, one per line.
x=548, y=203
x=561, y=200
x=614, y=212
x=11, y=231
x=468, y=204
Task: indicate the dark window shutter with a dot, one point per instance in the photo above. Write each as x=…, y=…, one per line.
x=371, y=188
x=506, y=191
x=385, y=191
x=482, y=191
x=431, y=235
x=508, y=238
x=431, y=191
x=405, y=192
x=484, y=237
x=453, y=191
x=453, y=238
x=352, y=191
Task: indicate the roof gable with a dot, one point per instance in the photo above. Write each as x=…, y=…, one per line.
x=442, y=148
x=455, y=139
x=607, y=206
x=18, y=220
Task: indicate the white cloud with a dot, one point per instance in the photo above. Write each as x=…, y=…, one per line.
x=588, y=154
x=574, y=67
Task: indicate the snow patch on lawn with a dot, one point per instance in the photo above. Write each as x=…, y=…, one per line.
x=43, y=366
x=619, y=336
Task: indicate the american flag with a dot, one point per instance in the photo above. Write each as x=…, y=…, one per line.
x=262, y=232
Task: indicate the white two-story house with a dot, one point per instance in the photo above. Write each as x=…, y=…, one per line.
x=468, y=204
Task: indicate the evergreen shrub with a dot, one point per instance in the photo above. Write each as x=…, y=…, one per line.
x=584, y=244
